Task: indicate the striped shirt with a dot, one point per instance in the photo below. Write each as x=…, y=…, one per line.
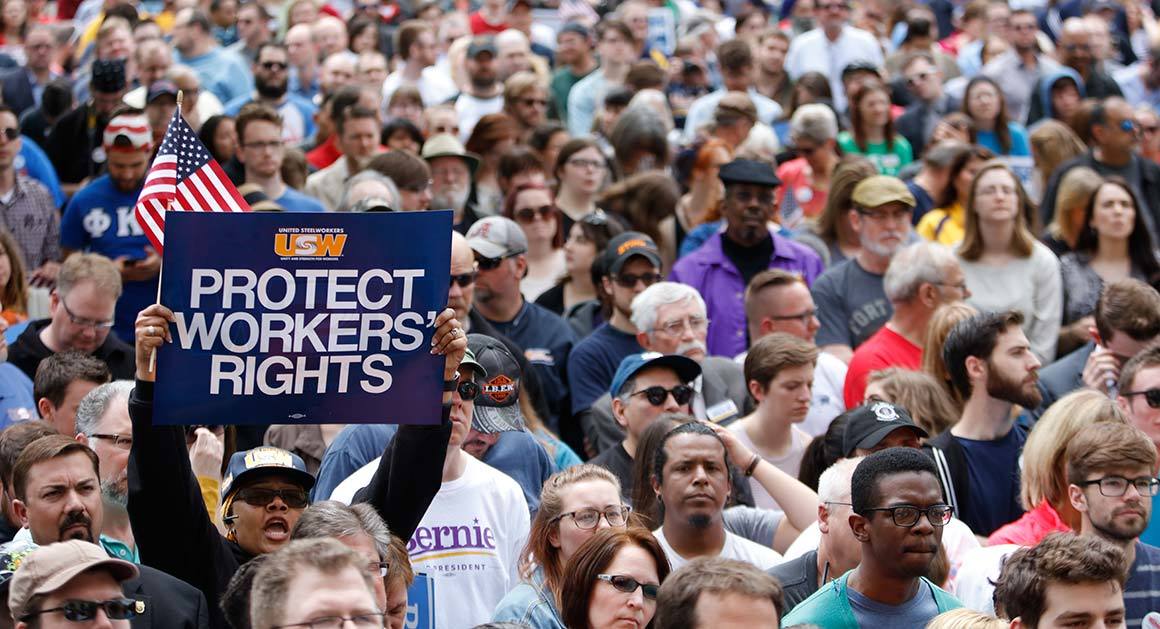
x=1142, y=591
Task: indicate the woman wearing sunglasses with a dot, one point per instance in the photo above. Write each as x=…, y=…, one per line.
x=613, y=580
x=587, y=238
x=574, y=505
x=532, y=207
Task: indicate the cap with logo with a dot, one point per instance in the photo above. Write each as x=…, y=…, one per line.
x=497, y=408
x=128, y=133
x=868, y=425
x=686, y=368
x=497, y=237
x=879, y=190
x=625, y=246
x=447, y=145
x=749, y=171
x=250, y=465
x=49, y=568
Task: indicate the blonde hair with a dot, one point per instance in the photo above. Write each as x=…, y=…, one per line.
x=1053, y=143
x=1044, y=475
x=929, y=404
x=1022, y=240
x=1075, y=192
x=937, y=330
x=88, y=267
x=964, y=618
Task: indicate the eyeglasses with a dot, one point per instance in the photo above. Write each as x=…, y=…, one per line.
x=260, y=497
x=124, y=442
x=467, y=389
x=83, y=322
x=1149, y=129
x=366, y=620
x=1024, y=26
x=259, y=146
x=528, y=214
x=882, y=217
x=1151, y=396
x=962, y=286
x=76, y=610
x=628, y=280
x=589, y=164
x=588, y=519
x=11, y=133
x=804, y=318
x=833, y=6
x=534, y=102
x=628, y=585
x=657, y=395
x=273, y=66
x=464, y=279
x=673, y=328
x=1077, y=47
x=918, y=77
x=747, y=196
x=907, y=516
x=379, y=567
x=1129, y=126
x=488, y=264
x=1116, y=486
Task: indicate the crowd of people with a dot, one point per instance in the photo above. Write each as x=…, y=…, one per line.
x=810, y=313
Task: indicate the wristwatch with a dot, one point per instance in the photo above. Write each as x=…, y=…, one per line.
x=449, y=385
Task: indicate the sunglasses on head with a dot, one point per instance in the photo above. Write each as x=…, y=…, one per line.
x=464, y=279
x=628, y=585
x=488, y=264
x=528, y=214
x=76, y=610
x=1151, y=396
x=656, y=395
x=260, y=497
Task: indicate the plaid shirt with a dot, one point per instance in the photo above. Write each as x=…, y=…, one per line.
x=32, y=219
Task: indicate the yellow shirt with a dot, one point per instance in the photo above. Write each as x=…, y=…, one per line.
x=944, y=225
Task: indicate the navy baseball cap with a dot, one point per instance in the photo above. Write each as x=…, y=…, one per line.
x=247, y=466
x=687, y=369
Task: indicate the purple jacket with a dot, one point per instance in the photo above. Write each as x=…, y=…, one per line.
x=720, y=283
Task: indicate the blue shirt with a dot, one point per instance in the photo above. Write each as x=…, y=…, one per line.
x=16, y=401
x=547, y=340
x=993, y=473
x=221, y=72
x=593, y=363
x=100, y=219
x=1142, y=591
x=297, y=116
x=913, y=613
x=34, y=162
x=294, y=201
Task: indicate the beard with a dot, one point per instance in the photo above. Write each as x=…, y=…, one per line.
x=450, y=198
x=271, y=89
x=885, y=250
x=114, y=491
x=1113, y=530
x=74, y=518
x=483, y=82
x=1013, y=391
x=700, y=521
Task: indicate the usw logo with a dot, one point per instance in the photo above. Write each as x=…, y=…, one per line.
x=309, y=245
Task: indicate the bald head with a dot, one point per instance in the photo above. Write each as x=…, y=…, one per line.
x=459, y=298
x=329, y=34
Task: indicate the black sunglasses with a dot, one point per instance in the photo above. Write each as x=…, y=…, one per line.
x=11, y=133
x=488, y=264
x=628, y=585
x=628, y=280
x=1151, y=396
x=468, y=389
x=260, y=497
x=273, y=65
x=76, y=610
x=657, y=395
x=464, y=279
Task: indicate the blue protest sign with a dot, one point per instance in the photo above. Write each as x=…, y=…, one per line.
x=421, y=603
x=302, y=318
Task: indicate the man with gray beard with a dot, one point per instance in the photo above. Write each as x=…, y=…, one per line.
x=451, y=170
x=850, y=297
x=670, y=318
x=103, y=425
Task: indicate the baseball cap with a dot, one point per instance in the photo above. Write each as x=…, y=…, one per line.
x=687, y=369
x=859, y=66
x=249, y=465
x=497, y=408
x=879, y=190
x=108, y=76
x=748, y=171
x=626, y=245
x=868, y=425
x=576, y=28
x=447, y=145
x=159, y=89
x=497, y=237
x=51, y=567
x=480, y=45
x=128, y=133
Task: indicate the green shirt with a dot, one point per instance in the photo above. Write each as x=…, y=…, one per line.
x=562, y=82
x=829, y=607
x=888, y=161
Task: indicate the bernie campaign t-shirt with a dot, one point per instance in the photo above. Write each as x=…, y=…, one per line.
x=100, y=219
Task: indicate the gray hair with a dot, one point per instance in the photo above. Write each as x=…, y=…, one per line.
x=395, y=199
x=97, y=402
x=815, y=122
x=512, y=37
x=913, y=266
x=834, y=483
x=646, y=304
x=653, y=101
x=331, y=518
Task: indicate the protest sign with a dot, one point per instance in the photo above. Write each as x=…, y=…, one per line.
x=421, y=603
x=302, y=318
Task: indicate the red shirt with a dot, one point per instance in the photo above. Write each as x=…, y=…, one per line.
x=886, y=348
x=1031, y=528
x=324, y=154
x=480, y=26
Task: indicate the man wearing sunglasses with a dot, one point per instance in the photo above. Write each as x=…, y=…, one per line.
x=645, y=386
x=271, y=88
x=898, y=515
x=1111, y=471
x=924, y=81
x=69, y=584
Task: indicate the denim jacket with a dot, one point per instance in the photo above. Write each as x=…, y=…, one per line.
x=530, y=604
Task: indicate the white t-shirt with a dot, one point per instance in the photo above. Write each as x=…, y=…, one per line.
x=470, y=109
x=790, y=462
x=973, y=582
x=735, y=547
x=434, y=88
x=826, y=401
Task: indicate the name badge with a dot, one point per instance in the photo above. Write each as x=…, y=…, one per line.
x=721, y=411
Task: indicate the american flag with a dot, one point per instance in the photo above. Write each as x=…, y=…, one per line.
x=184, y=177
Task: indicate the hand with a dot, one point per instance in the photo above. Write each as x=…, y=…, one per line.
x=45, y=275
x=739, y=455
x=449, y=340
x=139, y=270
x=1101, y=368
x=152, y=329
x=206, y=455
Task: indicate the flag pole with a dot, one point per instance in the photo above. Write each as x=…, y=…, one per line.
x=161, y=264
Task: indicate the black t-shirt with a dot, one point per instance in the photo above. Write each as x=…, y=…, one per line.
x=617, y=461
x=749, y=260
